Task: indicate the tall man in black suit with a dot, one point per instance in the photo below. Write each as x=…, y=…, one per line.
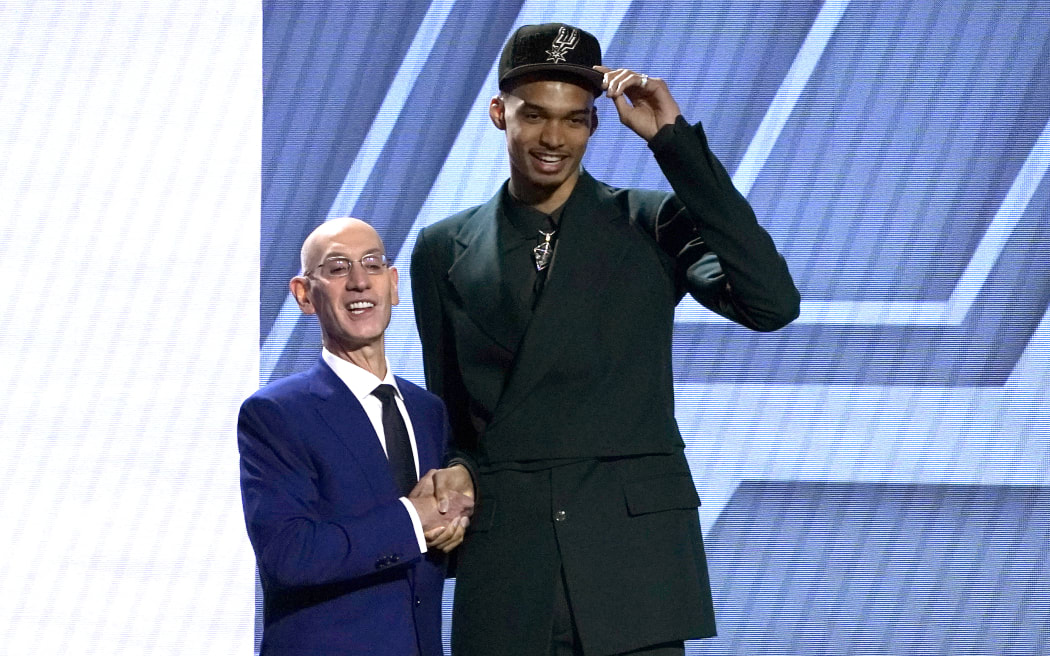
x=348, y=544
x=546, y=318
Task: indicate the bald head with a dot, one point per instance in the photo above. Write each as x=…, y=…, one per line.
x=353, y=301
x=345, y=230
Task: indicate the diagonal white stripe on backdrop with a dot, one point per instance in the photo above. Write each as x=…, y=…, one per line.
x=372, y=147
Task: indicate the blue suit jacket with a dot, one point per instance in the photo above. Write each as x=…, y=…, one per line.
x=339, y=562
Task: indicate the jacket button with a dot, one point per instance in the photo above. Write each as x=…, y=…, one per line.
x=559, y=516
x=418, y=601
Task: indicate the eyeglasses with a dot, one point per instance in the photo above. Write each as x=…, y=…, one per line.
x=339, y=267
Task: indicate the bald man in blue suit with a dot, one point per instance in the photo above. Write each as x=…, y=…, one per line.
x=350, y=548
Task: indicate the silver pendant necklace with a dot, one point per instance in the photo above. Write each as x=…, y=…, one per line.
x=543, y=251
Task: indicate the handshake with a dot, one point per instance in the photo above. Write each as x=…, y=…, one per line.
x=444, y=501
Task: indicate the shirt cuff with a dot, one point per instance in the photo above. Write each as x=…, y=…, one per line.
x=417, y=525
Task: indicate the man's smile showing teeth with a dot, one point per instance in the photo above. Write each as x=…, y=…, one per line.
x=360, y=306
x=548, y=162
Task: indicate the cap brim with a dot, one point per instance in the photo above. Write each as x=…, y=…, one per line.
x=589, y=77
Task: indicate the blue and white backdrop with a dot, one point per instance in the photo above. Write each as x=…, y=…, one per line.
x=875, y=477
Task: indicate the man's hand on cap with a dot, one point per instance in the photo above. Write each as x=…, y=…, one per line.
x=651, y=105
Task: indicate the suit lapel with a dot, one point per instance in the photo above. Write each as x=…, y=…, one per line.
x=476, y=274
x=343, y=414
x=589, y=251
x=427, y=443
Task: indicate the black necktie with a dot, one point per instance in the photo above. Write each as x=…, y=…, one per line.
x=548, y=237
x=398, y=447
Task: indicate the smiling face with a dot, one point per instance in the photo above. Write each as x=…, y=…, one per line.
x=548, y=123
x=354, y=310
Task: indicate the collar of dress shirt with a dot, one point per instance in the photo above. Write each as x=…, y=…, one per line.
x=360, y=381
x=527, y=221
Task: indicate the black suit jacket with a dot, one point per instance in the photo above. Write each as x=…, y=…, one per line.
x=582, y=389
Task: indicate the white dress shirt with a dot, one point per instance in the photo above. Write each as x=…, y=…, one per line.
x=361, y=384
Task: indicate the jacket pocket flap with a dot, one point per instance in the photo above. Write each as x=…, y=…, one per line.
x=662, y=493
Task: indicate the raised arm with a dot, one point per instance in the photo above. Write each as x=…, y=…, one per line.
x=729, y=263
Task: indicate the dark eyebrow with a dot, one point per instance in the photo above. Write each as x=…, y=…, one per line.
x=540, y=108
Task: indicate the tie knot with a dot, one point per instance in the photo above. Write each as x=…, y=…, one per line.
x=385, y=393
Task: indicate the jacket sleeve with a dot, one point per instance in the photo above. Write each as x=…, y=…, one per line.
x=298, y=537
x=728, y=262
x=439, y=352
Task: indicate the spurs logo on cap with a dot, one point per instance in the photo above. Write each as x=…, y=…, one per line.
x=562, y=45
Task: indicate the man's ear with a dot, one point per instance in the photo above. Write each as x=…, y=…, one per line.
x=498, y=112
x=300, y=288
x=594, y=120
x=394, y=300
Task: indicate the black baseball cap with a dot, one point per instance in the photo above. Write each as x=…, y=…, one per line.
x=556, y=50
